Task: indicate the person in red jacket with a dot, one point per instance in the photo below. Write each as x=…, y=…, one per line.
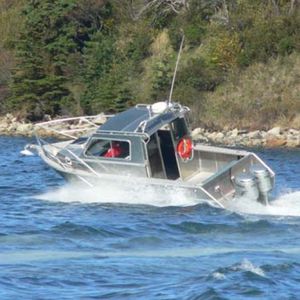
x=114, y=151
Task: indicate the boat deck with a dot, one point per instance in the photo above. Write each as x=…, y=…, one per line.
x=199, y=177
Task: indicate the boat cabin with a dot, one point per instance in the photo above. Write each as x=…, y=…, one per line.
x=145, y=141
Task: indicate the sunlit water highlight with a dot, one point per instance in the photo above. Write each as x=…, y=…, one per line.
x=63, y=242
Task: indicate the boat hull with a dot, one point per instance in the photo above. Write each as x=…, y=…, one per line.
x=164, y=189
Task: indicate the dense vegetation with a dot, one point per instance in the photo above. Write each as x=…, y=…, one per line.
x=240, y=64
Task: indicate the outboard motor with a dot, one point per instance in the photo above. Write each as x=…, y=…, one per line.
x=264, y=182
x=245, y=185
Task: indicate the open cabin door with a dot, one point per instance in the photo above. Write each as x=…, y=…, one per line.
x=161, y=155
x=180, y=130
x=164, y=161
x=154, y=157
x=168, y=154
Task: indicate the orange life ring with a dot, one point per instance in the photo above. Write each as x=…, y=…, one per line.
x=185, y=148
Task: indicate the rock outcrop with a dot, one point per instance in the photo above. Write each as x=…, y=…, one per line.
x=275, y=137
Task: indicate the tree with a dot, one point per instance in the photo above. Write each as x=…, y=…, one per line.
x=49, y=53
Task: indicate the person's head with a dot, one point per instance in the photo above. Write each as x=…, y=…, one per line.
x=115, y=144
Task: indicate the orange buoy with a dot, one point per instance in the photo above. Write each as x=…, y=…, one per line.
x=185, y=148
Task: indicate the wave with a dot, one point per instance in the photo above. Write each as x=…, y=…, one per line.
x=286, y=205
x=247, y=266
x=76, y=230
x=244, y=266
x=247, y=270
x=258, y=226
x=112, y=193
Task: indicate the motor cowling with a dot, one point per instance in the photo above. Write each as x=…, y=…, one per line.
x=245, y=185
x=264, y=182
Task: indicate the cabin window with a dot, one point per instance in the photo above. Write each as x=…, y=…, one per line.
x=109, y=149
x=179, y=128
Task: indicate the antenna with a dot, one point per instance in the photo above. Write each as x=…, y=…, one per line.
x=175, y=71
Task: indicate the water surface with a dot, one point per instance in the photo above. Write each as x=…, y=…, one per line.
x=61, y=243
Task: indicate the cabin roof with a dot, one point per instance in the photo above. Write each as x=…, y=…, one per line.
x=139, y=119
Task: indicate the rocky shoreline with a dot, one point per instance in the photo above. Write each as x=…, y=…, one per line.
x=273, y=138
x=10, y=125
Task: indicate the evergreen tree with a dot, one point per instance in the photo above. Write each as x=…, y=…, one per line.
x=98, y=60
x=38, y=81
x=54, y=33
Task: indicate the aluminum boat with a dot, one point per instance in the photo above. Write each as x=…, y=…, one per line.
x=151, y=145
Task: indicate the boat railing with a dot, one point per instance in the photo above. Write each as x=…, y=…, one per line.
x=61, y=160
x=66, y=131
x=174, y=107
x=50, y=154
x=70, y=128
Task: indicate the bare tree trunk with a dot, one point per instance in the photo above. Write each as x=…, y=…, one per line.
x=294, y=4
x=226, y=13
x=166, y=5
x=275, y=7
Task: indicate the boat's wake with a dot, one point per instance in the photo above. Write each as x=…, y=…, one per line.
x=112, y=193
x=287, y=204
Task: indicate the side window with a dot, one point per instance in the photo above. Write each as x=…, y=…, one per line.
x=109, y=149
x=179, y=128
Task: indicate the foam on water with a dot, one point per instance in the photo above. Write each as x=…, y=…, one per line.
x=116, y=193
x=218, y=275
x=248, y=266
x=286, y=205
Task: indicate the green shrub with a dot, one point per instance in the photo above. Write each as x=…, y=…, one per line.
x=162, y=78
x=198, y=74
x=258, y=97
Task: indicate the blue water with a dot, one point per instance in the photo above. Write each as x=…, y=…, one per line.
x=57, y=244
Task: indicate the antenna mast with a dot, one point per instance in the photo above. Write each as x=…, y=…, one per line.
x=175, y=71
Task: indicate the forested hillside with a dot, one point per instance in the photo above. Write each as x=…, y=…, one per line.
x=240, y=65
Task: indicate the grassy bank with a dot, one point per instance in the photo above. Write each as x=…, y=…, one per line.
x=260, y=97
